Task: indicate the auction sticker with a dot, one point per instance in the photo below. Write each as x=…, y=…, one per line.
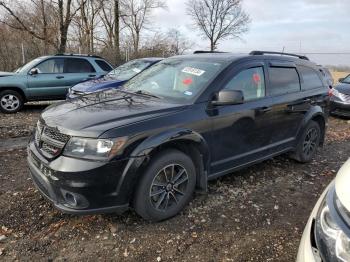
x=193, y=71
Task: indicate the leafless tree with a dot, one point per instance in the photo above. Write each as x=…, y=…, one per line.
x=136, y=15
x=218, y=19
x=178, y=44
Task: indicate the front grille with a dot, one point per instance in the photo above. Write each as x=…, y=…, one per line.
x=56, y=135
x=49, y=140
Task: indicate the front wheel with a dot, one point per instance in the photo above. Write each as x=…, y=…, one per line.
x=166, y=187
x=308, y=144
x=10, y=101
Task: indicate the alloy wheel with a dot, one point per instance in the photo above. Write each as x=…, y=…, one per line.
x=168, y=187
x=9, y=102
x=310, y=142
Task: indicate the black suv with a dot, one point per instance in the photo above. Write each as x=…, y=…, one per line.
x=150, y=144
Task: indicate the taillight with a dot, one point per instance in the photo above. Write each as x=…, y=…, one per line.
x=330, y=92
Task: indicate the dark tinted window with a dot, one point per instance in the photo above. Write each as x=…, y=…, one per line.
x=51, y=66
x=310, y=77
x=283, y=80
x=78, y=65
x=103, y=65
x=251, y=81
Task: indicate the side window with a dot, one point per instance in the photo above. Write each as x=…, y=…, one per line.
x=78, y=65
x=51, y=66
x=283, y=80
x=103, y=65
x=311, y=80
x=251, y=81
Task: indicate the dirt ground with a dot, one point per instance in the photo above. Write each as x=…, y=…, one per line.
x=256, y=214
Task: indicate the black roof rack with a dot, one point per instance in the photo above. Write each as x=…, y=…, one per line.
x=278, y=53
x=207, y=52
x=71, y=54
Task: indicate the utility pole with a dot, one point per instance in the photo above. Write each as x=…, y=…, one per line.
x=23, y=55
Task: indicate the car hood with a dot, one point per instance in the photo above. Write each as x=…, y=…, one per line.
x=342, y=185
x=97, y=84
x=343, y=88
x=2, y=74
x=93, y=114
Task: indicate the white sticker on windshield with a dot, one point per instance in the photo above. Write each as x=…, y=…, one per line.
x=136, y=70
x=188, y=93
x=193, y=71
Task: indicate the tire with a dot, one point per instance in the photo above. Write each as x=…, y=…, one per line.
x=10, y=101
x=308, y=143
x=154, y=198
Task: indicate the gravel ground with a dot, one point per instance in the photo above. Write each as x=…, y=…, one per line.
x=256, y=214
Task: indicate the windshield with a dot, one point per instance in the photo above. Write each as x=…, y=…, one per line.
x=346, y=80
x=30, y=65
x=128, y=70
x=178, y=80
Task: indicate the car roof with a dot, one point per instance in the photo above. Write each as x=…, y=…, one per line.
x=231, y=57
x=151, y=59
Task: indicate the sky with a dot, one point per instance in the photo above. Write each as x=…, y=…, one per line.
x=302, y=26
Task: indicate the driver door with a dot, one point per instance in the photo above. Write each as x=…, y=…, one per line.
x=49, y=80
x=242, y=133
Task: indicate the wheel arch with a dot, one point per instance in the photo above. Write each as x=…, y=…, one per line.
x=15, y=88
x=317, y=115
x=187, y=141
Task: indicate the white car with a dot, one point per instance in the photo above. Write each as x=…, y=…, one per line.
x=327, y=233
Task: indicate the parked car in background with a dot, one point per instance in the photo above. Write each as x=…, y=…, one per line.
x=113, y=79
x=327, y=234
x=47, y=78
x=340, y=98
x=188, y=119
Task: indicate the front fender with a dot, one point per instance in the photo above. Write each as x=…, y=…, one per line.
x=141, y=153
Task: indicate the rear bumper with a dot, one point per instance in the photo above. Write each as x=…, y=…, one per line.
x=340, y=108
x=81, y=187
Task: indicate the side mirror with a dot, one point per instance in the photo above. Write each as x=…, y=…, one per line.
x=228, y=97
x=34, y=71
x=341, y=80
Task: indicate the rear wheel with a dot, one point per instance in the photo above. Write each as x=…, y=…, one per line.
x=10, y=101
x=308, y=144
x=166, y=186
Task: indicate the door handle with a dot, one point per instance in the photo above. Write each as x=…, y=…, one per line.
x=59, y=77
x=264, y=109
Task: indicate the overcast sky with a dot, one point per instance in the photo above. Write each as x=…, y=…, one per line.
x=312, y=26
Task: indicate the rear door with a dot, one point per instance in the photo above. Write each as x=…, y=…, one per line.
x=289, y=106
x=77, y=70
x=49, y=82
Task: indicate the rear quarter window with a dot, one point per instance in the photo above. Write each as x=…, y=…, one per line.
x=310, y=78
x=283, y=80
x=103, y=65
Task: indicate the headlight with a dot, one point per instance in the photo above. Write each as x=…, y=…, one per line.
x=94, y=149
x=333, y=243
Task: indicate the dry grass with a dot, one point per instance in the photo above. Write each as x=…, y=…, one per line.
x=336, y=75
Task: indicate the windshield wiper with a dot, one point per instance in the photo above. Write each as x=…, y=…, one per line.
x=145, y=93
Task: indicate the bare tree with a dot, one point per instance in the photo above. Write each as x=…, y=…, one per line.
x=110, y=15
x=136, y=14
x=218, y=19
x=178, y=44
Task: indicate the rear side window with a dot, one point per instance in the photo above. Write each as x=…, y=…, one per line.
x=311, y=80
x=103, y=65
x=250, y=81
x=283, y=80
x=78, y=65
